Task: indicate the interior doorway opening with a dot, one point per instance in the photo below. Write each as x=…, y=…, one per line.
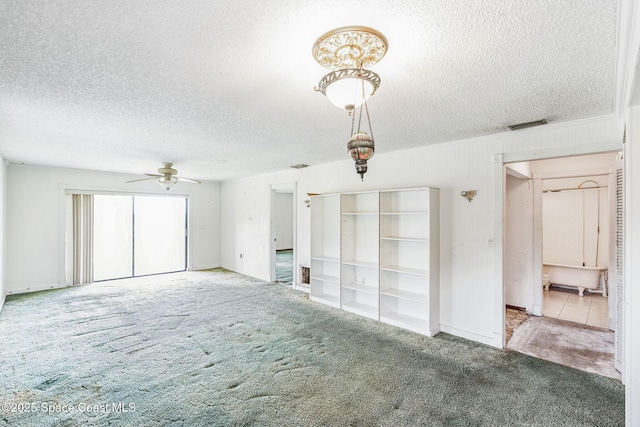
x=559, y=214
x=283, y=256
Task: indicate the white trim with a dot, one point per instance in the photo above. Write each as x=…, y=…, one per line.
x=537, y=306
x=2, y=299
x=100, y=192
x=306, y=288
x=499, y=172
x=627, y=44
x=203, y=267
x=34, y=289
x=483, y=339
x=555, y=152
x=62, y=235
x=190, y=229
x=631, y=272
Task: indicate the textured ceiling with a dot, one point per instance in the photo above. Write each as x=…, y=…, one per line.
x=224, y=89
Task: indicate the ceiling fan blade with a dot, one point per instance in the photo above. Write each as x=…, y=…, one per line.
x=193, y=181
x=155, y=175
x=136, y=180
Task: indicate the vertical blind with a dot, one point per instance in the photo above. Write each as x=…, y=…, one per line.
x=82, y=238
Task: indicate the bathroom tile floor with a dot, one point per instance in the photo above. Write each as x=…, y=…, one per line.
x=565, y=304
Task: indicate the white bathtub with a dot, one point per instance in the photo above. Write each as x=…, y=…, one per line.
x=577, y=276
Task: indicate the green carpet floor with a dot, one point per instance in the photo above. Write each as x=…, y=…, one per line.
x=284, y=266
x=220, y=349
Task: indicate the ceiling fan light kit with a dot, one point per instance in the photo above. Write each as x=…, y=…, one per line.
x=166, y=177
x=347, y=51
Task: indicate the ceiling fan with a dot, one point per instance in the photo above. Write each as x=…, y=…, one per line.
x=166, y=177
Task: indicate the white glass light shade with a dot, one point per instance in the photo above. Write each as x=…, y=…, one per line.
x=347, y=93
x=167, y=182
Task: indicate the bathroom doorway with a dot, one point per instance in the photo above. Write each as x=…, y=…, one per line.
x=558, y=213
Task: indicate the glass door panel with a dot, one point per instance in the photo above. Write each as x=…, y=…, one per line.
x=112, y=237
x=159, y=235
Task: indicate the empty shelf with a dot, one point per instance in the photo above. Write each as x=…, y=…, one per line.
x=411, y=296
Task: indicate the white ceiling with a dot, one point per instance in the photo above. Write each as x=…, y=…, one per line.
x=224, y=88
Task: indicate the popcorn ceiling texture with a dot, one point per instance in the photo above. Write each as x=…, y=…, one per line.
x=122, y=86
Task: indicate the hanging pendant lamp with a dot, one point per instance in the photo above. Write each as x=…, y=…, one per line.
x=347, y=51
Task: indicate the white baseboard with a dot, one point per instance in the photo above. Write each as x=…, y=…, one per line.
x=302, y=287
x=2, y=298
x=33, y=289
x=203, y=267
x=470, y=336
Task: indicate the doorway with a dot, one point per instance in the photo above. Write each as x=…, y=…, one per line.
x=283, y=234
x=557, y=214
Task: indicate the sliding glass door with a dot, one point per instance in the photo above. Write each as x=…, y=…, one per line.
x=159, y=235
x=112, y=237
x=138, y=235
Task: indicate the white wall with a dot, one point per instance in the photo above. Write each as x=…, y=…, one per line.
x=284, y=221
x=3, y=195
x=518, y=243
x=632, y=266
x=471, y=297
x=35, y=219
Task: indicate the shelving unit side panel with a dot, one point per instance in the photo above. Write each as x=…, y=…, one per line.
x=434, y=259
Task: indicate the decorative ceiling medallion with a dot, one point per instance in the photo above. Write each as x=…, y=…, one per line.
x=350, y=47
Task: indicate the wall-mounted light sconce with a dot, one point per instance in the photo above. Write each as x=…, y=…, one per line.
x=469, y=194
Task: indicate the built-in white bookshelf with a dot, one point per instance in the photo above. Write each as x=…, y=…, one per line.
x=376, y=254
x=359, y=272
x=409, y=259
x=325, y=249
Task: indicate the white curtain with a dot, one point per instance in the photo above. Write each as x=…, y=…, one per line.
x=82, y=238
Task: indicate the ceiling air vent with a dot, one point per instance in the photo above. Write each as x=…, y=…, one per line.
x=299, y=166
x=525, y=125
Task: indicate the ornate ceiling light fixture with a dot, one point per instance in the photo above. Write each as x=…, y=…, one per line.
x=347, y=51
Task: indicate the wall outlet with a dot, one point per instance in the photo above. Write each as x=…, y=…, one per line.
x=490, y=241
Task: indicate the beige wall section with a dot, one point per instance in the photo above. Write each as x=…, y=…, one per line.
x=471, y=285
x=35, y=218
